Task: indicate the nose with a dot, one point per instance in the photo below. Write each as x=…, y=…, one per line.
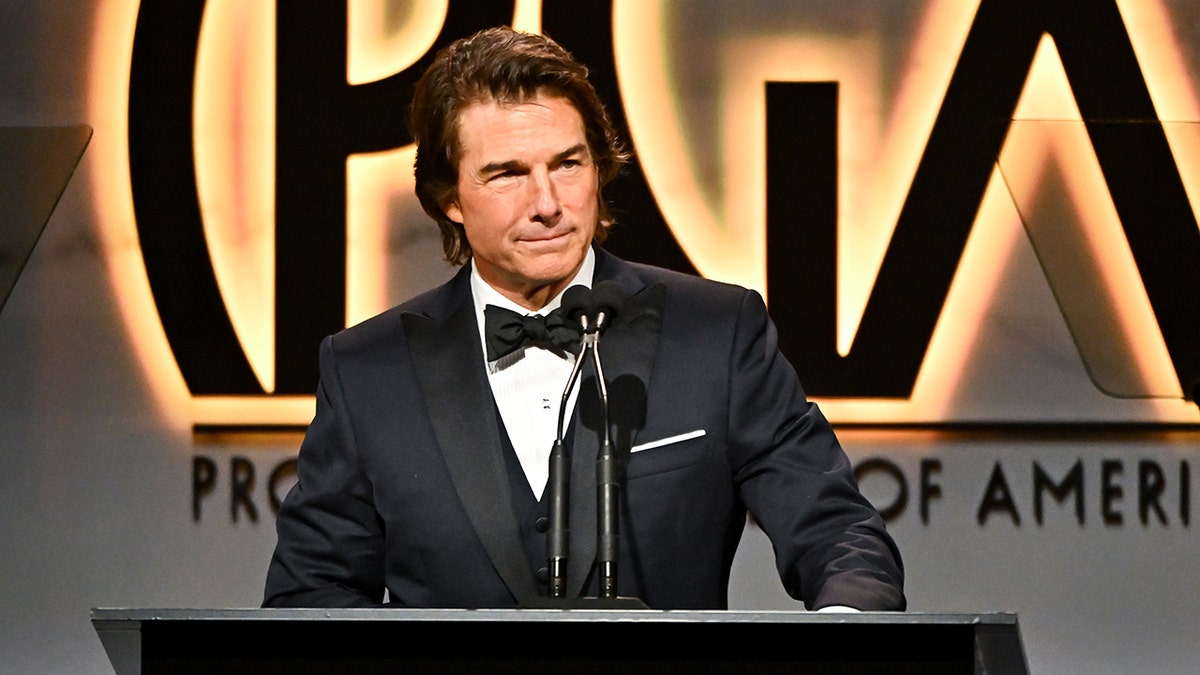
x=545, y=203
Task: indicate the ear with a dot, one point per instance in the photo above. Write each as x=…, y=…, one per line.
x=451, y=209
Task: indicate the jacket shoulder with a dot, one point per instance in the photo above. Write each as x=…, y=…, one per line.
x=693, y=290
x=436, y=303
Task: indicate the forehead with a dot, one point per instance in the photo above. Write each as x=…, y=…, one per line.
x=538, y=122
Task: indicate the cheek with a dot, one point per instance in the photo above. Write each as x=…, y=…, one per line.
x=485, y=211
x=582, y=196
x=487, y=222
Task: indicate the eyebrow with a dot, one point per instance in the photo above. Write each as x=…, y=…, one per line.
x=501, y=167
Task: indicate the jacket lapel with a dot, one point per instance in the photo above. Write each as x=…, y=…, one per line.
x=448, y=360
x=627, y=352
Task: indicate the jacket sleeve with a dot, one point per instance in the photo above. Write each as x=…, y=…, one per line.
x=330, y=551
x=831, y=546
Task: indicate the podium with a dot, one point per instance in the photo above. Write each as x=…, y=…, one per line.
x=526, y=641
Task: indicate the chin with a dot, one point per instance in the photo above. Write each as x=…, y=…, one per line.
x=555, y=254
x=562, y=266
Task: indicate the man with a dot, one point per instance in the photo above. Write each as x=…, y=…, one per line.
x=422, y=474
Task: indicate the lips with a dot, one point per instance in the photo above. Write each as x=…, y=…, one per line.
x=545, y=237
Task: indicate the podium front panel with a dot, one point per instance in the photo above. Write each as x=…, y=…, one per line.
x=555, y=641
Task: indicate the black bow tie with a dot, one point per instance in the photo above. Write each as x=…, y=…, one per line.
x=506, y=331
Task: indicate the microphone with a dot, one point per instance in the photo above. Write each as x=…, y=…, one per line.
x=576, y=305
x=607, y=303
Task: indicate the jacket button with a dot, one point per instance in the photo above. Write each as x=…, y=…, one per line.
x=541, y=524
x=543, y=575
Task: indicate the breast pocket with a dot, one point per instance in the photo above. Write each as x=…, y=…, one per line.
x=667, y=454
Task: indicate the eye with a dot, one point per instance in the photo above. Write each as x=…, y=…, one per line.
x=504, y=176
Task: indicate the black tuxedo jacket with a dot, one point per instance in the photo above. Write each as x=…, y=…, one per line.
x=402, y=485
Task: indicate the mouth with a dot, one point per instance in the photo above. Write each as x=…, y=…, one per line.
x=546, y=237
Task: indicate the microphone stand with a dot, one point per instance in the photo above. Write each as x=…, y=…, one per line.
x=558, y=485
x=608, y=489
x=579, y=300
x=607, y=302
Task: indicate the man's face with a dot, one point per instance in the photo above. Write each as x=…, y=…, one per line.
x=527, y=195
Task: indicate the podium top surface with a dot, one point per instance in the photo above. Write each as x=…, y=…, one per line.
x=510, y=615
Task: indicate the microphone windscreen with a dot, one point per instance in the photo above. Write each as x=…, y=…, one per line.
x=608, y=297
x=577, y=302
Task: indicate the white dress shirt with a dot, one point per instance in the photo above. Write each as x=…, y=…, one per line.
x=528, y=384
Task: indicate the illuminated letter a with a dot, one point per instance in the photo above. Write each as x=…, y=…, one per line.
x=948, y=187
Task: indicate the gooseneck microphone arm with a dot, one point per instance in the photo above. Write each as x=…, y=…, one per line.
x=607, y=300
x=576, y=303
x=558, y=485
x=608, y=491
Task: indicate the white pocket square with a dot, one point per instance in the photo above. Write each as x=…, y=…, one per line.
x=668, y=440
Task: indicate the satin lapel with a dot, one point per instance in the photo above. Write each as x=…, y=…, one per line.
x=449, y=363
x=627, y=353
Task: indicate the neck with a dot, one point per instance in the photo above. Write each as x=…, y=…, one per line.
x=535, y=297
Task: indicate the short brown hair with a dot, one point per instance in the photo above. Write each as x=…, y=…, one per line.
x=507, y=66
